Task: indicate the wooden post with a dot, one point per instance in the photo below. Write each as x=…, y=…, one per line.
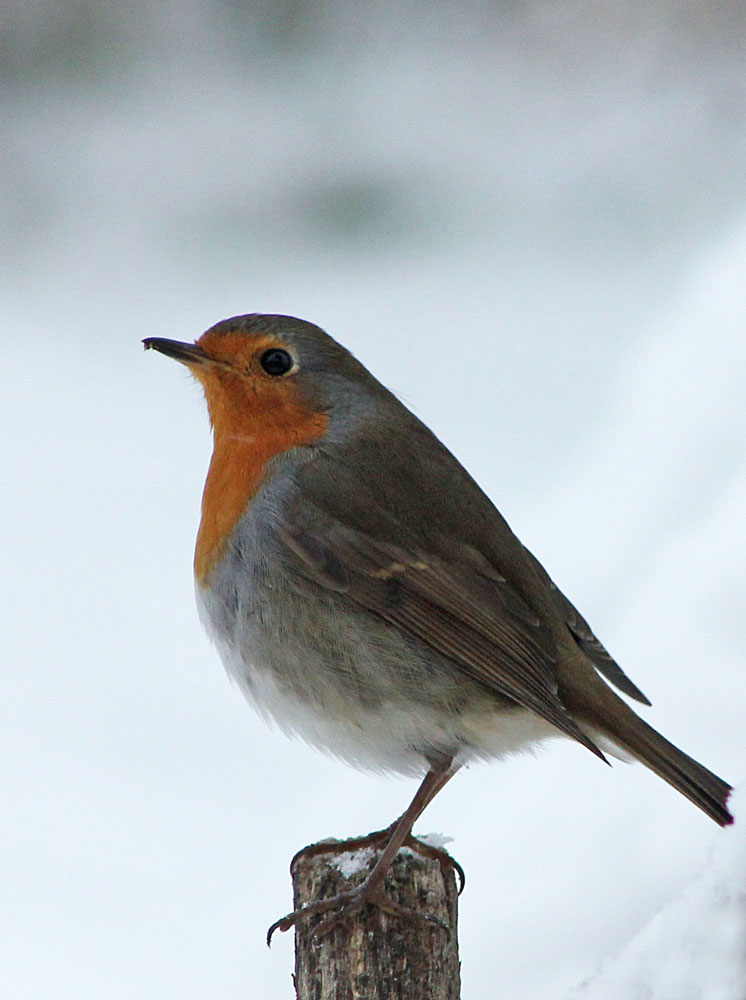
x=370, y=954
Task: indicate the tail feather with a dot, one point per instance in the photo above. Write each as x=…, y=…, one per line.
x=616, y=720
x=685, y=774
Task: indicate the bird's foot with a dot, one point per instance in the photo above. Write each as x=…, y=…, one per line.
x=438, y=854
x=345, y=903
x=369, y=892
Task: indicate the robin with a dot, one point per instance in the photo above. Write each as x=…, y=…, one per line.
x=366, y=594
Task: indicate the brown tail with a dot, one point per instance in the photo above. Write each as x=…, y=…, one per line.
x=615, y=719
x=700, y=786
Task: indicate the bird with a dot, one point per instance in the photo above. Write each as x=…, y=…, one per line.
x=367, y=596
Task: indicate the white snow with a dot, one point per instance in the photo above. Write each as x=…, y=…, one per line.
x=351, y=862
x=439, y=841
x=695, y=947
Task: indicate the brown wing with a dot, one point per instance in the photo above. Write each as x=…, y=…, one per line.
x=480, y=624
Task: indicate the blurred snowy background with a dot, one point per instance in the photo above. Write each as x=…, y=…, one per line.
x=529, y=219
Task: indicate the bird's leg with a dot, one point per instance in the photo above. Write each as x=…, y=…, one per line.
x=370, y=890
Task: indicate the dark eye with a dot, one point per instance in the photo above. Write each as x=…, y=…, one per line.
x=276, y=361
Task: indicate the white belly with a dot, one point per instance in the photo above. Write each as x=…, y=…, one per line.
x=395, y=736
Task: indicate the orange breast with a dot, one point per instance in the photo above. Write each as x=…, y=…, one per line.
x=252, y=422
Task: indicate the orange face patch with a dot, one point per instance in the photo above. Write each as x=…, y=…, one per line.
x=254, y=417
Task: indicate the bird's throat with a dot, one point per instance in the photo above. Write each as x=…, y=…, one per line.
x=238, y=468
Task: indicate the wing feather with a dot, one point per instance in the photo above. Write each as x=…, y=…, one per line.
x=583, y=635
x=480, y=624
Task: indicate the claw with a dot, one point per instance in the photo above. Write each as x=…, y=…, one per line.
x=461, y=874
x=344, y=903
x=441, y=856
x=383, y=902
x=278, y=925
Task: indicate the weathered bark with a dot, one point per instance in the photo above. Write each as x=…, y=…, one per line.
x=370, y=954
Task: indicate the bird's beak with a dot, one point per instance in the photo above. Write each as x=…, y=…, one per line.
x=188, y=354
